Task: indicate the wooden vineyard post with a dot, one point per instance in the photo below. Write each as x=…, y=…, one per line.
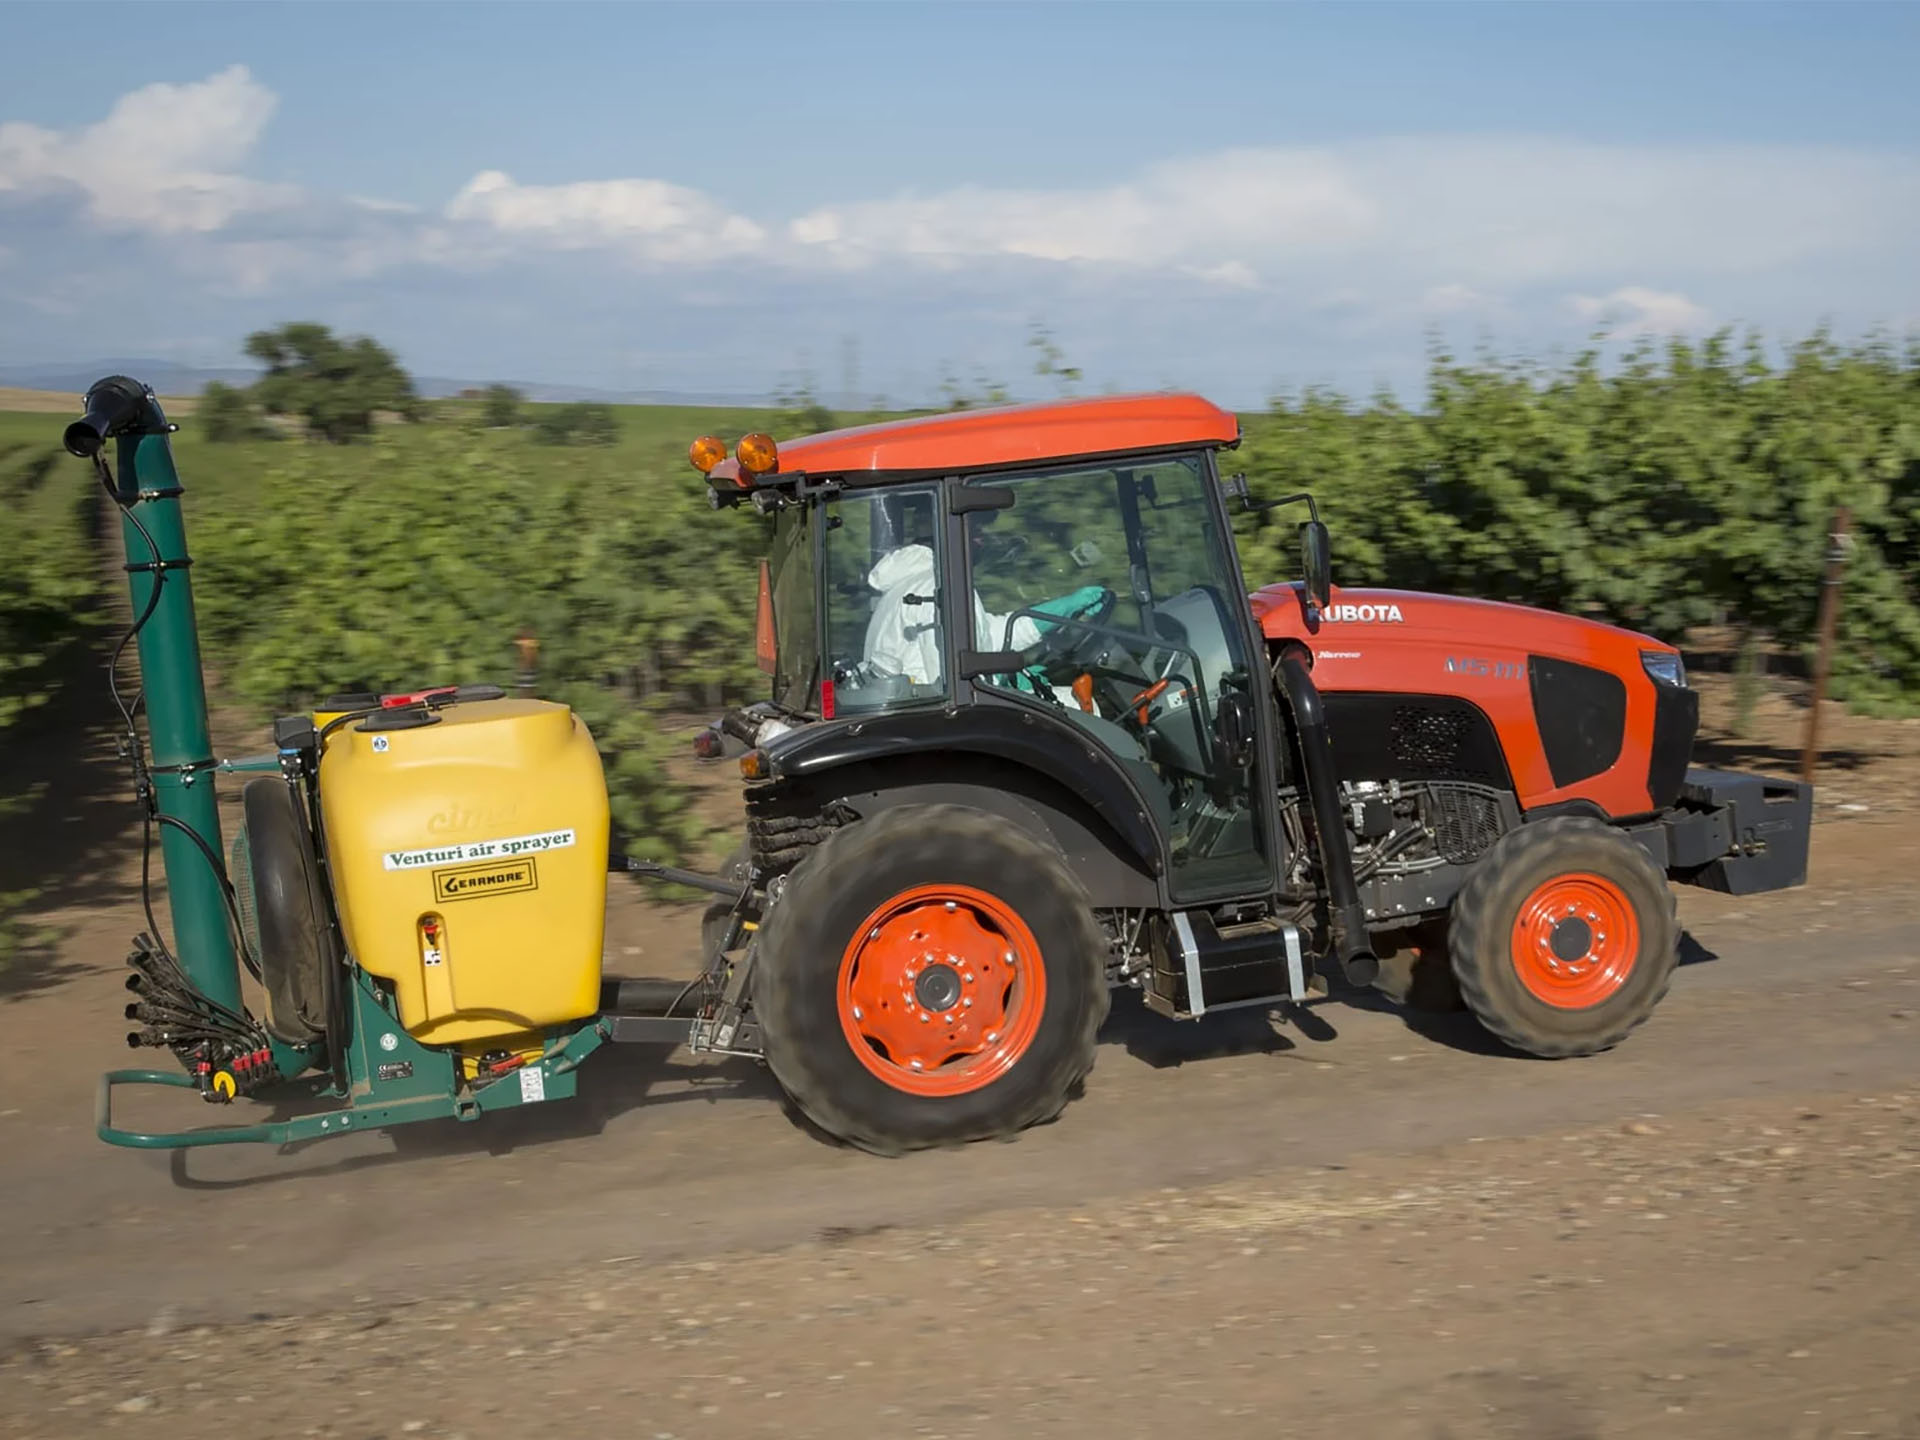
x=1837, y=543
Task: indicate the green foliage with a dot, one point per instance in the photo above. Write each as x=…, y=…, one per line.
x=959, y=395
x=336, y=386
x=416, y=559
x=225, y=415
x=801, y=412
x=500, y=407
x=50, y=577
x=1051, y=362
x=1692, y=484
x=583, y=424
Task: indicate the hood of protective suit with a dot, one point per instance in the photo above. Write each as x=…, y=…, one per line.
x=909, y=562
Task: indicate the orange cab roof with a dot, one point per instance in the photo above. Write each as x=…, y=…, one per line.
x=1014, y=435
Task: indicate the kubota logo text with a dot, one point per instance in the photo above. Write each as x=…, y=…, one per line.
x=1365, y=614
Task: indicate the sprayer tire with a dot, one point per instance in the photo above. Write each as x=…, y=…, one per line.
x=296, y=949
x=918, y=887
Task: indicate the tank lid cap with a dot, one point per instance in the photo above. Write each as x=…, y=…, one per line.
x=399, y=720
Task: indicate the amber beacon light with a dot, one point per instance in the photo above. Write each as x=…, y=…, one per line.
x=707, y=452
x=757, y=454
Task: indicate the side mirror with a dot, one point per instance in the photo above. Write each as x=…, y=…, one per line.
x=1316, y=562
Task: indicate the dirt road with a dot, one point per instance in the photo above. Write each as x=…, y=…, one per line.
x=1352, y=1220
x=1347, y=1221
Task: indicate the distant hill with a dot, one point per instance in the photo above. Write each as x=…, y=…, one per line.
x=169, y=378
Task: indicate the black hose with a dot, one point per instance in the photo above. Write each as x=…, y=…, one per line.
x=226, y=894
x=1352, y=944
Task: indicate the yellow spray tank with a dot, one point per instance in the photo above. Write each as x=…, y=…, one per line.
x=468, y=852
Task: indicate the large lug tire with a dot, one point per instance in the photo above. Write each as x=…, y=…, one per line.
x=1564, y=938
x=930, y=977
x=713, y=920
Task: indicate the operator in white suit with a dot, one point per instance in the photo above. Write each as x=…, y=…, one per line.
x=903, y=634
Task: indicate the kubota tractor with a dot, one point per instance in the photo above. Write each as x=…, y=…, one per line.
x=1029, y=738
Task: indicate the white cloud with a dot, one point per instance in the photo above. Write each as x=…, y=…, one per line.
x=1634, y=310
x=1220, y=209
x=1311, y=262
x=649, y=218
x=164, y=159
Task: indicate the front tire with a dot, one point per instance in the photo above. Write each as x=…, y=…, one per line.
x=1565, y=938
x=930, y=977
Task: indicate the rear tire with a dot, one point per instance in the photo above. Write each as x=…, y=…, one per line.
x=1564, y=938
x=930, y=977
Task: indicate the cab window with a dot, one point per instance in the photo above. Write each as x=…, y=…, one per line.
x=885, y=637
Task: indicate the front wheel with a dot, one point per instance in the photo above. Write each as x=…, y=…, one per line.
x=1564, y=938
x=930, y=977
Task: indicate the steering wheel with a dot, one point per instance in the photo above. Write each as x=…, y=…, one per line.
x=1063, y=636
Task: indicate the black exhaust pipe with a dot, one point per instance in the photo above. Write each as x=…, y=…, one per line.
x=1351, y=942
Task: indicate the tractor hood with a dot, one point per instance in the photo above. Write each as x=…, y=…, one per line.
x=1573, y=709
x=1356, y=619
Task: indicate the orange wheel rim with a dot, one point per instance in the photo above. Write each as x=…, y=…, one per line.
x=941, y=990
x=1575, y=941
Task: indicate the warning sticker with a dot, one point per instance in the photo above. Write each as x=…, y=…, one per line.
x=533, y=1085
x=503, y=877
x=478, y=850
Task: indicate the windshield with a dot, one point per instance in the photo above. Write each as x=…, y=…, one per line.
x=796, y=649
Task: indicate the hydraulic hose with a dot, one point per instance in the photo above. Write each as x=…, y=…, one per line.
x=1351, y=942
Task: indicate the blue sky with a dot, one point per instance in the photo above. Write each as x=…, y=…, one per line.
x=726, y=198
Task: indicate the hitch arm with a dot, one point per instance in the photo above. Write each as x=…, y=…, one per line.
x=653, y=870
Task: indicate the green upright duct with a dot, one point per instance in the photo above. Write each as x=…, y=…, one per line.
x=148, y=489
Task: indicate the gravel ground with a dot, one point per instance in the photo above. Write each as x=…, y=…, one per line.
x=1740, y=1270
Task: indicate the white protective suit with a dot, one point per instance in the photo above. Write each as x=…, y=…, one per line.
x=903, y=637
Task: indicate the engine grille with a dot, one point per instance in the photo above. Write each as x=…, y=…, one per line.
x=1400, y=737
x=1426, y=738
x=1465, y=822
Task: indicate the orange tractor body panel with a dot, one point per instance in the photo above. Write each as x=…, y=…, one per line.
x=1412, y=642
x=1007, y=435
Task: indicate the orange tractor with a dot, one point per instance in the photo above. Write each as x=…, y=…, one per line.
x=1030, y=738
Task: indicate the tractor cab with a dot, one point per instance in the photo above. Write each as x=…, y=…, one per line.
x=1096, y=599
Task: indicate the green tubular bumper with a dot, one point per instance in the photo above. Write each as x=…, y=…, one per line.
x=377, y=1106
x=271, y=1132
